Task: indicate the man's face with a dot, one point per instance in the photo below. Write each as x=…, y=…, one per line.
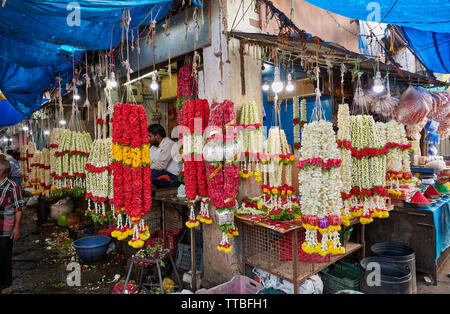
x=153, y=139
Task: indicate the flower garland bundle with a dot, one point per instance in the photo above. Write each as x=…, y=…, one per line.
x=99, y=181
x=343, y=136
x=54, y=140
x=23, y=164
x=320, y=189
x=186, y=86
x=222, y=169
x=398, y=162
x=131, y=173
x=44, y=173
x=195, y=116
x=250, y=137
x=70, y=159
x=35, y=165
x=277, y=159
x=298, y=122
x=368, y=192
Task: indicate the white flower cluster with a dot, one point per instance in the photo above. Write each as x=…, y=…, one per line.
x=250, y=139
x=320, y=191
x=71, y=162
x=44, y=171
x=274, y=170
x=100, y=184
x=365, y=133
x=54, y=140
x=346, y=155
x=394, y=134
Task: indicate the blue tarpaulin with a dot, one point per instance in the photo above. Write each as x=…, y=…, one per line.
x=441, y=218
x=10, y=115
x=432, y=48
x=426, y=24
x=37, y=42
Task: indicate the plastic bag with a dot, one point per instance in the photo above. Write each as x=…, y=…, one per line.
x=385, y=104
x=312, y=285
x=414, y=106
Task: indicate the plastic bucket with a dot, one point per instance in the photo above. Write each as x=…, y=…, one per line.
x=399, y=254
x=381, y=276
x=91, y=249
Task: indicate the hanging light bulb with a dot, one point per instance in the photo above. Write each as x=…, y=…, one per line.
x=62, y=122
x=265, y=86
x=47, y=132
x=154, y=84
x=112, y=83
x=5, y=139
x=76, y=97
x=25, y=128
x=277, y=85
x=290, y=87
x=378, y=85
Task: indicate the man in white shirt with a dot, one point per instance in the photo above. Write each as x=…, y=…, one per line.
x=164, y=155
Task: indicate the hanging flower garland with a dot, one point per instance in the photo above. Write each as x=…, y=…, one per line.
x=99, y=181
x=320, y=189
x=398, y=162
x=35, y=165
x=195, y=117
x=368, y=192
x=278, y=158
x=250, y=138
x=222, y=169
x=343, y=136
x=44, y=173
x=298, y=121
x=70, y=159
x=54, y=141
x=131, y=173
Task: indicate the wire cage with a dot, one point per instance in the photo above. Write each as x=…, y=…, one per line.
x=281, y=254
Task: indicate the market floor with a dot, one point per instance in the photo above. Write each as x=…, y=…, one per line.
x=443, y=284
x=40, y=261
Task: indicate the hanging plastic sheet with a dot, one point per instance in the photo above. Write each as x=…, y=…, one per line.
x=430, y=15
x=38, y=39
x=432, y=48
x=10, y=115
x=425, y=24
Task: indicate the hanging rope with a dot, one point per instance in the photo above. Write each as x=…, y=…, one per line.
x=343, y=70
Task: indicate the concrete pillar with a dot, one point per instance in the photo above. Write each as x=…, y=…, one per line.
x=218, y=266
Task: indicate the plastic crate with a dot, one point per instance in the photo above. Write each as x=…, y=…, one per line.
x=183, y=261
x=341, y=276
x=237, y=285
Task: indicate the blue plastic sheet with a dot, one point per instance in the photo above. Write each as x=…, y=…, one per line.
x=432, y=48
x=430, y=15
x=441, y=217
x=425, y=24
x=37, y=42
x=10, y=115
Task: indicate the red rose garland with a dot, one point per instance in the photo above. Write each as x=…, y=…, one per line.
x=131, y=172
x=195, y=111
x=223, y=177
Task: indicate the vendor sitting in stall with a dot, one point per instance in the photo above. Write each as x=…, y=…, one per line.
x=163, y=153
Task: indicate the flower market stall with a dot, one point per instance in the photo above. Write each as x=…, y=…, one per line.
x=283, y=181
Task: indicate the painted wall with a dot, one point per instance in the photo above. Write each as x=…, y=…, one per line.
x=316, y=21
